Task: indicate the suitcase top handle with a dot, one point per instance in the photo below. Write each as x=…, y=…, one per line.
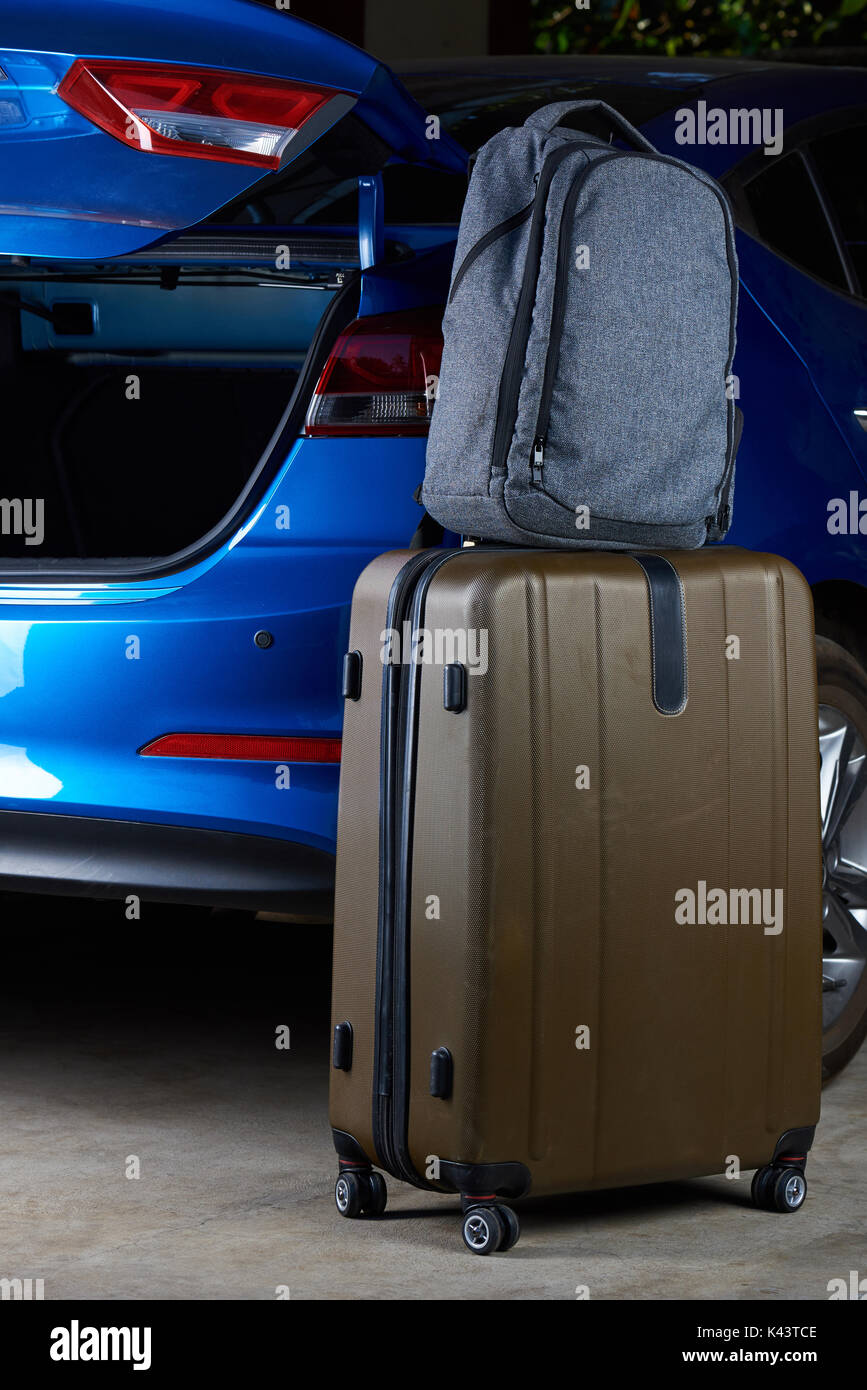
x=547, y=117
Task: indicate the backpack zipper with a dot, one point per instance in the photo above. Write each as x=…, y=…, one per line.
x=513, y=366
x=558, y=318
x=538, y=463
x=502, y=229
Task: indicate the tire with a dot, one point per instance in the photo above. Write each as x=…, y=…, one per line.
x=843, y=743
x=483, y=1230
x=349, y=1194
x=512, y=1228
x=377, y=1195
x=789, y=1191
x=762, y=1178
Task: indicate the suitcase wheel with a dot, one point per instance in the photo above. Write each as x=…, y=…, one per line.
x=490, y=1227
x=357, y=1191
x=779, y=1187
x=377, y=1195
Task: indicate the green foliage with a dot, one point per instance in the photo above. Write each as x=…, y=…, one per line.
x=678, y=28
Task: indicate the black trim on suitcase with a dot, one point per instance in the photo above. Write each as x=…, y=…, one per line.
x=442, y=1072
x=400, y=1003
x=392, y=686
x=341, y=1052
x=794, y=1145
x=391, y=1045
x=668, y=653
x=352, y=668
x=454, y=687
x=345, y=1146
x=486, y=1179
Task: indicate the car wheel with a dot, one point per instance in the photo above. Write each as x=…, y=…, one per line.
x=843, y=746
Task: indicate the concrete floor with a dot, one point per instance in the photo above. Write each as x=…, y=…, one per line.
x=156, y=1039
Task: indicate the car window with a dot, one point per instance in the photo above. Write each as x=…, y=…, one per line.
x=788, y=215
x=414, y=197
x=840, y=161
x=475, y=108
x=317, y=178
x=321, y=187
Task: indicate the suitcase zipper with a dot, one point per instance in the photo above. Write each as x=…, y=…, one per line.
x=391, y=1045
x=392, y=694
x=391, y=1086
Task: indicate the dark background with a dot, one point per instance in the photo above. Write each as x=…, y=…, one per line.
x=809, y=30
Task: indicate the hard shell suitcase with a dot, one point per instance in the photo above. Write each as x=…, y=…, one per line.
x=578, y=898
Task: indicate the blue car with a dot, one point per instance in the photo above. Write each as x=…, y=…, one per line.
x=225, y=244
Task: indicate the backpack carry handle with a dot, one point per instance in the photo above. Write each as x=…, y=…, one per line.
x=547, y=117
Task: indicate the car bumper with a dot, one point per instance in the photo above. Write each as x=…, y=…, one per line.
x=97, y=858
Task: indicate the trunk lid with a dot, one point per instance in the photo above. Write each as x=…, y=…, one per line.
x=86, y=186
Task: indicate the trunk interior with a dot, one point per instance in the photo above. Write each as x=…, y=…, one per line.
x=139, y=401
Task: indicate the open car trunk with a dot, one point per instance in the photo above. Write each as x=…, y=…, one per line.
x=148, y=353
x=134, y=482
x=142, y=398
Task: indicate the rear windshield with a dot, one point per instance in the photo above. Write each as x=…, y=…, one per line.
x=313, y=182
x=321, y=188
x=474, y=107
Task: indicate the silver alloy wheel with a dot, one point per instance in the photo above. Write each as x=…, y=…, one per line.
x=844, y=847
x=795, y=1190
x=341, y=1194
x=477, y=1231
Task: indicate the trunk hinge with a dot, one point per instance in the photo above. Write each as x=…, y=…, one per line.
x=371, y=220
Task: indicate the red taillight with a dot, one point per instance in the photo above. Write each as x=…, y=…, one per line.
x=260, y=748
x=198, y=112
x=381, y=378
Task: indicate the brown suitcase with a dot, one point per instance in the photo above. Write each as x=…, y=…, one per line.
x=578, y=900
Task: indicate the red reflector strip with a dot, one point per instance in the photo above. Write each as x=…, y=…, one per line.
x=260, y=748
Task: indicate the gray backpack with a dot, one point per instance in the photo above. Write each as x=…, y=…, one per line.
x=585, y=397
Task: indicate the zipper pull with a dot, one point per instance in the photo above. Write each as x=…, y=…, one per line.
x=538, y=458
